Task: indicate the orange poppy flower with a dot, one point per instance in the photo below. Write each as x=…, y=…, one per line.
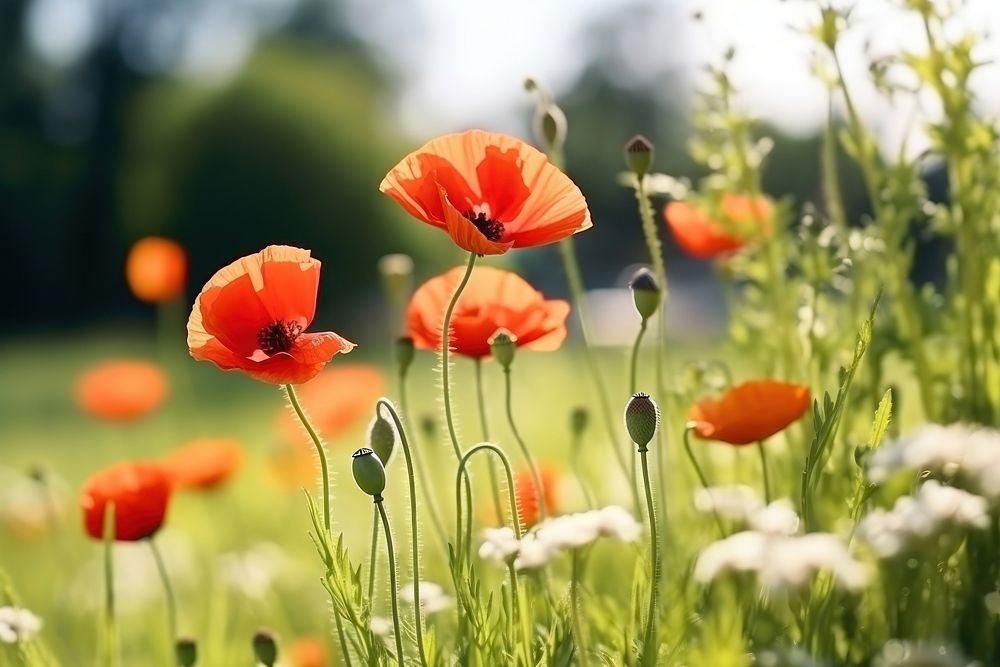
x=121, y=390
x=307, y=652
x=140, y=493
x=204, y=463
x=494, y=299
x=749, y=412
x=704, y=238
x=336, y=400
x=156, y=269
x=490, y=192
x=252, y=317
x=527, y=500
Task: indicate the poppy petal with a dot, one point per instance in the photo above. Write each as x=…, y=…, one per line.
x=466, y=235
x=501, y=182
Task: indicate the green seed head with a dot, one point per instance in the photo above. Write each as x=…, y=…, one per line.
x=369, y=473
x=186, y=650
x=382, y=439
x=265, y=647
x=503, y=344
x=642, y=418
x=645, y=292
x=639, y=155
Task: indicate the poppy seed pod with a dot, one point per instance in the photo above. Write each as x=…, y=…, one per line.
x=639, y=155
x=503, y=344
x=382, y=439
x=265, y=647
x=404, y=353
x=187, y=652
x=642, y=417
x=369, y=473
x=645, y=292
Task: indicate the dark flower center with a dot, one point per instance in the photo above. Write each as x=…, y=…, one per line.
x=491, y=229
x=278, y=336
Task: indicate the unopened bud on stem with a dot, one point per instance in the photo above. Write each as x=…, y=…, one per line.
x=639, y=155
x=382, y=438
x=503, y=344
x=642, y=417
x=645, y=293
x=187, y=652
x=369, y=473
x=265, y=647
x=404, y=353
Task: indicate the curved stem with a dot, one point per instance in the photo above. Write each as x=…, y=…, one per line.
x=418, y=465
x=763, y=467
x=373, y=559
x=168, y=591
x=581, y=647
x=414, y=532
x=701, y=477
x=649, y=642
x=634, y=365
x=484, y=424
x=536, y=477
x=394, y=585
x=293, y=400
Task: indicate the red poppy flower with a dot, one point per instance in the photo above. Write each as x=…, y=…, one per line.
x=121, y=389
x=336, y=400
x=156, y=269
x=750, y=412
x=527, y=499
x=494, y=299
x=702, y=237
x=204, y=463
x=490, y=192
x=140, y=493
x=252, y=317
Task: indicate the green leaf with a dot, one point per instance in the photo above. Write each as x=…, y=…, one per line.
x=883, y=415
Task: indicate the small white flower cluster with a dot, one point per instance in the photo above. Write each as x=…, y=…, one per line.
x=772, y=550
x=553, y=536
x=969, y=453
x=743, y=505
x=914, y=519
x=17, y=625
x=432, y=597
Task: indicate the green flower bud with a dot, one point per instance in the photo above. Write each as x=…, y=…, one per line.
x=503, y=344
x=186, y=650
x=642, y=418
x=578, y=419
x=265, y=647
x=369, y=473
x=645, y=292
x=382, y=438
x=404, y=353
x=550, y=127
x=639, y=155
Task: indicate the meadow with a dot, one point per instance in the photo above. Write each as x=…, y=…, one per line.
x=483, y=484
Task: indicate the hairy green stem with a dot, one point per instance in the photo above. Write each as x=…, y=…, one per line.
x=649, y=648
x=484, y=424
x=293, y=400
x=701, y=477
x=418, y=464
x=373, y=558
x=763, y=468
x=536, y=477
x=397, y=629
x=581, y=644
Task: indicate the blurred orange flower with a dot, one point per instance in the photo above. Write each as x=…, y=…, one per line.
x=293, y=466
x=121, y=389
x=494, y=299
x=490, y=192
x=750, y=412
x=156, y=269
x=204, y=463
x=527, y=500
x=704, y=238
x=336, y=400
x=140, y=493
x=307, y=652
x=252, y=316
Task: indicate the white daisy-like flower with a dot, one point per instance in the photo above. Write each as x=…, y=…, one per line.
x=778, y=518
x=737, y=501
x=381, y=626
x=740, y=552
x=570, y=531
x=17, y=625
x=432, y=597
x=615, y=521
x=934, y=509
x=499, y=544
x=534, y=553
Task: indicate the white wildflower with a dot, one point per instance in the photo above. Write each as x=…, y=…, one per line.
x=432, y=597
x=615, y=521
x=570, y=531
x=934, y=509
x=381, y=626
x=778, y=518
x=17, y=625
x=499, y=544
x=534, y=553
x=737, y=502
x=781, y=561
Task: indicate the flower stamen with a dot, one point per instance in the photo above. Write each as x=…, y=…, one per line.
x=491, y=229
x=278, y=336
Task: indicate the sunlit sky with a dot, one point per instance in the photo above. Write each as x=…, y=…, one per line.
x=462, y=62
